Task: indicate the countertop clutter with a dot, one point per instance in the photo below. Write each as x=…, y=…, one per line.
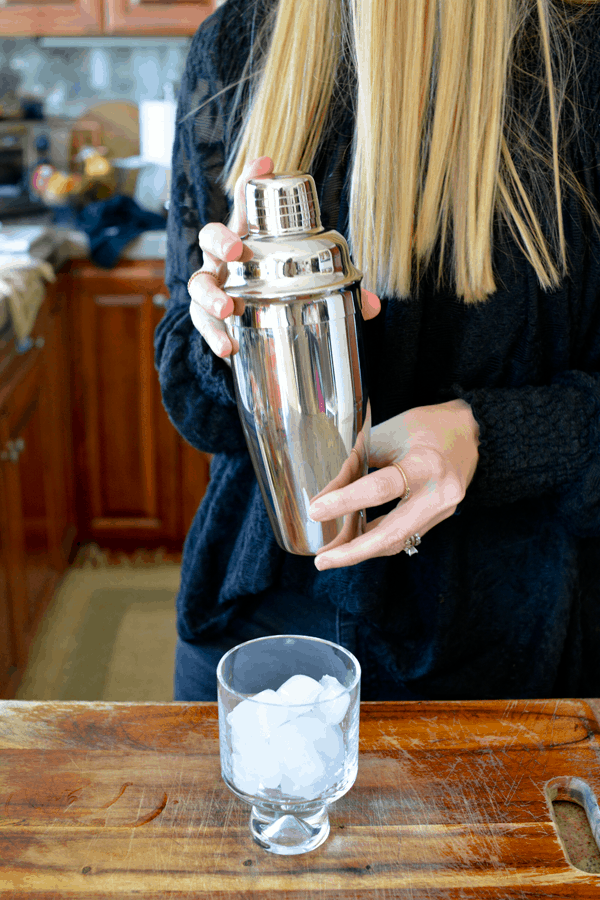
x=22, y=291
x=451, y=800
x=75, y=245
x=29, y=253
x=44, y=240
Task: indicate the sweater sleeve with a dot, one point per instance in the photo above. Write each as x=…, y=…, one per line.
x=545, y=439
x=541, y=440
x=197, y=386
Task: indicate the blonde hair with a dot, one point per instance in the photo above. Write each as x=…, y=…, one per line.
x=436, y=128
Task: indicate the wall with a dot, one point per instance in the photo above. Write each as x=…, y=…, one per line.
x=71, y=79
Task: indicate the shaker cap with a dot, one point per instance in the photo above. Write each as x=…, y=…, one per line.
x=292, y=255
x=282, y=204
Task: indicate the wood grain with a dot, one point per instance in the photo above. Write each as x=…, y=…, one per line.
x=156, y=16
x=67, y=17
x=132, y=466
x=452, y=800
x=36, y=489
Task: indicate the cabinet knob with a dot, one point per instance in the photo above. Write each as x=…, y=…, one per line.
x=13, y=449
x=160, y=300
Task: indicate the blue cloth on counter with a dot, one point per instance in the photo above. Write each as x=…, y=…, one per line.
x=110, y=225
x=504, y=599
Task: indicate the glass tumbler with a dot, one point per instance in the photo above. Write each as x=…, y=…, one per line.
x=289, y=709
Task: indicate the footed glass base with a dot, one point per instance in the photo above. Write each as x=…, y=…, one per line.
x=288, y=834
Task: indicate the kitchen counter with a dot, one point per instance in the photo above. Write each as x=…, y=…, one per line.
x=70, y=244
x=74, y=245
x=451, y=800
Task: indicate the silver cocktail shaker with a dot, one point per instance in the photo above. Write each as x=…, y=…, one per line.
x=300, y=373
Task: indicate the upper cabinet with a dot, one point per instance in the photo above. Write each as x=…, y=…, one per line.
x=97, y=17
x=173, y=17
x=49, y=17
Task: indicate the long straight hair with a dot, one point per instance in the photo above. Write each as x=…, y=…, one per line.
x=437, y=127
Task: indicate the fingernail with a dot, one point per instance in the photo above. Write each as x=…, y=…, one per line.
x=228, y=250
x=221, y=347
x=321, y=562
x=317, y=508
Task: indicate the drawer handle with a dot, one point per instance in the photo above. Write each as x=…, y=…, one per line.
x=160, y=300
x=13, y=449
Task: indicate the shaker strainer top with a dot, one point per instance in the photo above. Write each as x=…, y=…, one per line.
x=292, y=255
x=282, y=204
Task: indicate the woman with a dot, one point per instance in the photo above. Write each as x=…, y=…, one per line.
x=456, y=146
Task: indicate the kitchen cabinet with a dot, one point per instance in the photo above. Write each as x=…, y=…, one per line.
x=138, y=482
x=36, y=492
x=43, y=17
x=97, y=17
x=172, y=17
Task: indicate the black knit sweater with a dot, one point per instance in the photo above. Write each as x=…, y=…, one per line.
x=503, y=599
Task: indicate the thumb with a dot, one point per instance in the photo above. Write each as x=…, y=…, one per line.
x=262, y=166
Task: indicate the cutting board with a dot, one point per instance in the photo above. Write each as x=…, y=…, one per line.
x=452, y=800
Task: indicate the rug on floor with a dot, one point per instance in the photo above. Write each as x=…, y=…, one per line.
x=109, y=634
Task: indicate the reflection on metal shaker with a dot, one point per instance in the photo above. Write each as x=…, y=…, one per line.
x=300, y=372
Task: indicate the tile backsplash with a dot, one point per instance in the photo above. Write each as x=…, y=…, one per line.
x=70, y=79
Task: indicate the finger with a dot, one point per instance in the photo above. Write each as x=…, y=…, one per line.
x=213, y=331
x=205, y=291
x=371, y=304
x=261, y=166
x=371, y=490
x=386, y=539
x=347, y=474
x=220, y=245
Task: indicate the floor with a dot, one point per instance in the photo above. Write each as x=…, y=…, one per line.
x=109, y=633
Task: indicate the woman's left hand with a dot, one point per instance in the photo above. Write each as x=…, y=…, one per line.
x=436, y=447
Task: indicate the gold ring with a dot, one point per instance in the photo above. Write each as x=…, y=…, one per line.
x=193, y=275
x=406, y=493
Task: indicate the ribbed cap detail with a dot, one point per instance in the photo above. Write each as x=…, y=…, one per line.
x=282, y=204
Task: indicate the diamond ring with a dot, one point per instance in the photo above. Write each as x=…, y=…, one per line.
x=411, y=543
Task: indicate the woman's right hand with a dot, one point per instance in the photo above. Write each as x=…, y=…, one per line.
x=220, y=245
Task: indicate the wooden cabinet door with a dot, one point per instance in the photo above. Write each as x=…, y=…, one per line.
x=128, y=454
x=8, y=654
x=33, y=564
x=57, y=396
x=34, y=485
x=47, y=17
x=171, y=17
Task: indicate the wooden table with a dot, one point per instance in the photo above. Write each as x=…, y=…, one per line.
x=452, y=800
